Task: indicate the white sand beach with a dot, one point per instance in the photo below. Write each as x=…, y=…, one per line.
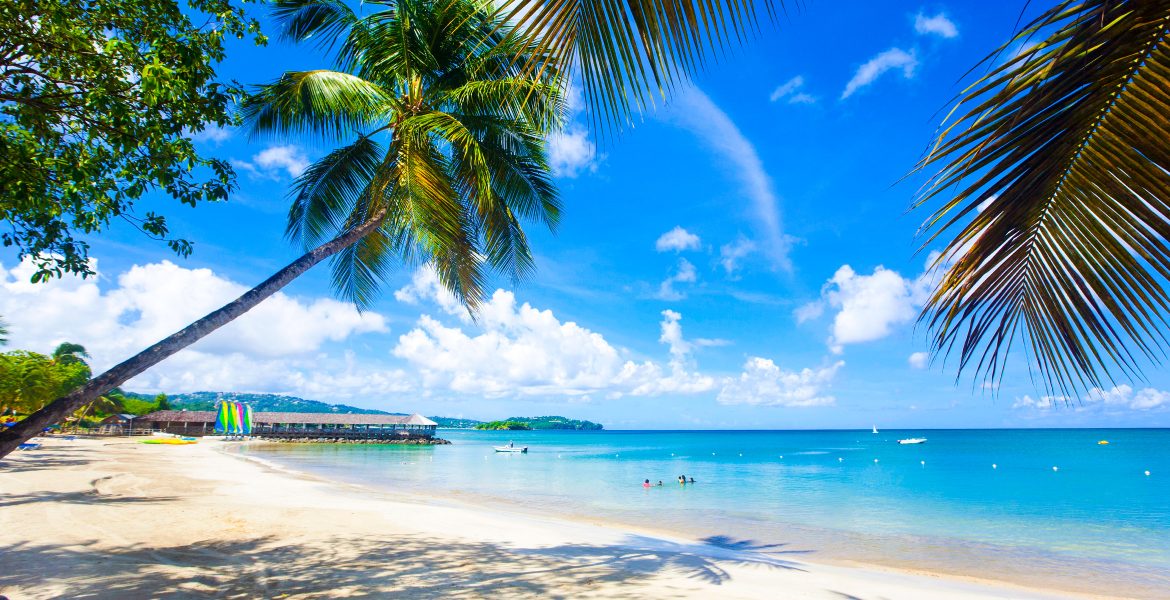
x=112, y=518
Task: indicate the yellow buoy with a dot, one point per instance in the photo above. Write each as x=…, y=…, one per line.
x=1103, y=443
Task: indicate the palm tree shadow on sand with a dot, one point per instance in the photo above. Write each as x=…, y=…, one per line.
x=357, y=567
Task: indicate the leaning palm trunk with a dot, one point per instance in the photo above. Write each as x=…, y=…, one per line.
x=58, y=409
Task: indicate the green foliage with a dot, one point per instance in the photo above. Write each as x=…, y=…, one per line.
x=259, y=403
x=1054, y=184
x=442, y=139
x=630, y=52
x=455, y=422
x=3, y=333
x=29, y=380
x=554, y=422
x=161, y=402
x=504, y=425
x=98, y=102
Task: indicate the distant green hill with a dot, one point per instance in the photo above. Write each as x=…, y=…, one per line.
x=454, y=423
x=259, y=402
x=554, y=422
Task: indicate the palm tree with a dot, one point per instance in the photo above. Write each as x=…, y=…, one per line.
x=1059, y=160
x=444, y=156
x=429, y=200
x=3, y=333
x=68, y=353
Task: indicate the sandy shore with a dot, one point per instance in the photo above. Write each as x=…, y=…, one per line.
x=111, y=518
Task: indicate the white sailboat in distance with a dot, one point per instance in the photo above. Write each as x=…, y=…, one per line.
x=875, y=429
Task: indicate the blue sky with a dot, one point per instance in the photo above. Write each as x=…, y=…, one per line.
x=743, y=257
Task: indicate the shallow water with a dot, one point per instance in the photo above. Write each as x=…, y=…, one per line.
x=1096, y=523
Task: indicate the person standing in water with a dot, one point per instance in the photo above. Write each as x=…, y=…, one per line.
x=646, y=484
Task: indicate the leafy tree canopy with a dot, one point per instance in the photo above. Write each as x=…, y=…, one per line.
x=29, y=380
x=98, y=103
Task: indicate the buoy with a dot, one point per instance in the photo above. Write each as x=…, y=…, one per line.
x=1147, y=473
x=923, y=462
x=839, y=459
x=1103, y=443
x=994, y=466
x=712, y=454
x=781, y=456
x=875, y=461
x=1055, y=469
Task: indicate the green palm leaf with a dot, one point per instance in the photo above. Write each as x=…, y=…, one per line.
x=1061, y=206
x=322, y=102
x=629, y=51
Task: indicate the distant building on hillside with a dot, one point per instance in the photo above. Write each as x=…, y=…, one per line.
x=289, y=425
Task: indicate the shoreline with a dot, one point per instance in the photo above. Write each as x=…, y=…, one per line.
x=121, y=519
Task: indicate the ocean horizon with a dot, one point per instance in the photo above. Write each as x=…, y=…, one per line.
x=1043, y=507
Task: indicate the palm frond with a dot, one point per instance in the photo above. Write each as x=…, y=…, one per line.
x=1061, y=200
x=629, y=51
x=324, y=196
x=322, y=102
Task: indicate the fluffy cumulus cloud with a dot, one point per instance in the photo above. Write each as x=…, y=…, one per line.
x=521, y=350
x=1099, y=400
x=570, y=151
x=274, y=347
x=275, y=162
x=425, y=287
x=677, y=240
x=892, y=59
x=763, y=383
x=792, y=92
x=684, y=273
x=870, y=306
x=938, y=25
x=919, y=360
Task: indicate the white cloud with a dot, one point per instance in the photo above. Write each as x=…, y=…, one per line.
x=763, y=383
x=938, y=25
x=684, y=274
x=271, y=348
x=695, y=112
x=678, y=240
x=425, y=286
x=894, y=58
x=524, y=351
x=1125, y=396
x=791, y=90
x=919, y=360
x=570, y=151
x=869, y=306
x=731, y=255
x=213, y=134
x=1118, y=398
x=808, y=312
x=272, y=160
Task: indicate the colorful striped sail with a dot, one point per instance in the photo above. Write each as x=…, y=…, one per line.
x=233, y=418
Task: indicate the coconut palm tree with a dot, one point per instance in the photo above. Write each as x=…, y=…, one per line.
x=627, y=53
x=442, y=157
x=3, y=333
x=1054, y=169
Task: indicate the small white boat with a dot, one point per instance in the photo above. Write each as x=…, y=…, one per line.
x=511, y=448
x=875, y=429
x=912, y=441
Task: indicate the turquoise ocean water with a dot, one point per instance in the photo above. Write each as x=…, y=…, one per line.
x=1096, y=523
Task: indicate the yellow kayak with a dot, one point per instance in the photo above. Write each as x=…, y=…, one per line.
x=168, y=441
x=1103, y=443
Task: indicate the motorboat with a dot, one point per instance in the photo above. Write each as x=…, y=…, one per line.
x=511, y=448
x=912, y=441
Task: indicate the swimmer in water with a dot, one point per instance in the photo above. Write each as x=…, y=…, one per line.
x=646, y=484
